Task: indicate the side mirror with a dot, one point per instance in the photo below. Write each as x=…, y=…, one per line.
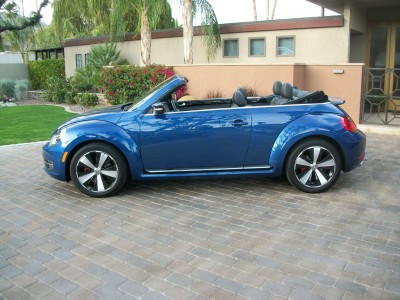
x=158, y=108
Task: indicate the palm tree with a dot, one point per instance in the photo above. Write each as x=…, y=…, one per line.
x=255, y=10
x=271, y=15
x=20, y=41
x=149, y=12
x=114, y=17
x=210, y=28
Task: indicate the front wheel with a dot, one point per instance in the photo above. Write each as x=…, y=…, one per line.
x=98, y=170
x=313, y=166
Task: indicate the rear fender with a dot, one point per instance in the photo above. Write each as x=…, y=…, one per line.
x=326, y=126
x=82, y=133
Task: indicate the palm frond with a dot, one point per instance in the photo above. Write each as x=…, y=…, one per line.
x=209, y=26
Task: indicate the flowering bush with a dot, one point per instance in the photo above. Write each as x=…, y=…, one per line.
x=122, y=84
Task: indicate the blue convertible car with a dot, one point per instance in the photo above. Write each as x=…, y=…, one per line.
x=302, y=135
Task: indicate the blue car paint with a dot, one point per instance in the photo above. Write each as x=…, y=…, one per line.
x=232, y=137
x=209, y=138
x=325, y=126
x=82, y=133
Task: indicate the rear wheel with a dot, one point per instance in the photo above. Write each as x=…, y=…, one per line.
x=98, y=170
x=313, y=166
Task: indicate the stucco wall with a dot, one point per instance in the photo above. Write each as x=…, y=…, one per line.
x=312, y=46
x=347, y=86
x=227, y=78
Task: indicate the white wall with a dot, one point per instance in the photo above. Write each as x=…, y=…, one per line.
x=312, y=46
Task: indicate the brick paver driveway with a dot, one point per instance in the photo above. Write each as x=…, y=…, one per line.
x=224, y=239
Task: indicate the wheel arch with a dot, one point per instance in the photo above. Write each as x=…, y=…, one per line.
x=84, y=143
x=309, y=138
x=314, y=126
x=102, y=132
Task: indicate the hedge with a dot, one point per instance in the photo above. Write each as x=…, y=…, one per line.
x=41, y=70
x=122, y=84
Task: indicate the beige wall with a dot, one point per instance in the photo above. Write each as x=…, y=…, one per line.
x=347, y=86
x=358, y=17
x=312, y=46
x=227, y=78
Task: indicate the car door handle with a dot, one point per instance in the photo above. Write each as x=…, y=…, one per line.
x=239, y=123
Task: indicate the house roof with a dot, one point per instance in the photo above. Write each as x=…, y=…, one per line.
x=272, y=25
x=338, y=5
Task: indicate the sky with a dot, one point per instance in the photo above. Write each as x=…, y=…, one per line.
x=239, y=10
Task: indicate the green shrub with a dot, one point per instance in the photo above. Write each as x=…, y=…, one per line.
x=56, y=89
x=7, y=89
x=104, y=55
x=87, y=79
x=87, y=99
x=122, y=84
x=40, y=71
x=70, y=97
x=21, y=89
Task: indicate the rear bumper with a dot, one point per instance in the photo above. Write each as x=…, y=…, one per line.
x=355, y=152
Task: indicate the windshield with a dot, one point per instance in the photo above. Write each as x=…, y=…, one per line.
x=150, y=93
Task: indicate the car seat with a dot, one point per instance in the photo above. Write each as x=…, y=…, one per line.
x=286, y=94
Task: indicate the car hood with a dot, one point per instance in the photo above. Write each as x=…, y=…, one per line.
x=109, y=114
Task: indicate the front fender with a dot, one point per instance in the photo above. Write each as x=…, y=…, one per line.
x=326, y=126
x=82, y=133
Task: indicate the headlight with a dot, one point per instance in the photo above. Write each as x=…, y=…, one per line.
x=57, y=136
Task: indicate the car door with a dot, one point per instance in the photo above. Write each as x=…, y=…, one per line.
x=195, y=140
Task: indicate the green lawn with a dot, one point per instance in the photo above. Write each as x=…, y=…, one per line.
x=23, y=124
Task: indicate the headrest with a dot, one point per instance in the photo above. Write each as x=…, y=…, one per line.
x=277, y=87
x=243, y=91
x=287, y=91
x=239, y=99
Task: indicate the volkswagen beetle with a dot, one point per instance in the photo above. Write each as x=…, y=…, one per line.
x=302, y=135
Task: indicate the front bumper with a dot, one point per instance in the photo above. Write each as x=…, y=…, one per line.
x=53, y=165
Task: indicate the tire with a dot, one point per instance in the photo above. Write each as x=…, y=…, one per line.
x=313, y=166
x=98, y=170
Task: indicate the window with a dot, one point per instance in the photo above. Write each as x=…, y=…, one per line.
x=257, y=47
x=78, y=60
x=87, y=59
x=285, y=46
x=231, y=48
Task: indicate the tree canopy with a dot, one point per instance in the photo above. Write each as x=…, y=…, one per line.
x=84, y=18
x=10, y=8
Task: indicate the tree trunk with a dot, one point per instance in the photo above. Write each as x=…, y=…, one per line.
x=22, y=56
x=255, y=10
x=145, y=39
x=273, y=10
x=187, y=16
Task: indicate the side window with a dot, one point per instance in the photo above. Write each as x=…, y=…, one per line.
x=78, y=61
x=256, y=47
x=285, y=46
x=87, y=59
x=231, y=48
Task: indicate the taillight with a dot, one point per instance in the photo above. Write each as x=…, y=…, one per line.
x=348, y=124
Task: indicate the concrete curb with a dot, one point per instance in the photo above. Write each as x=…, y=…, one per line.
x=23, y=144
x=392, y=130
